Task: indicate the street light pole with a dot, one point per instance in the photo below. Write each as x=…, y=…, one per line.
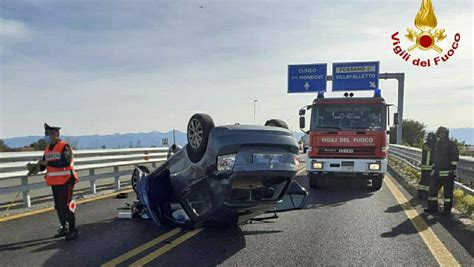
x=174, y=137
x=254, y=109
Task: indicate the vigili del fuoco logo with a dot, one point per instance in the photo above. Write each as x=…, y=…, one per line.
x=427, y=37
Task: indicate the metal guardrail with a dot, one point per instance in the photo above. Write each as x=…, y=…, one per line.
x=13, y=167
x=413, y=156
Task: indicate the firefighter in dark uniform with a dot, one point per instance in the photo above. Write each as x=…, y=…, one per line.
x=61, y=176
x=426, y=165
x=445, y=161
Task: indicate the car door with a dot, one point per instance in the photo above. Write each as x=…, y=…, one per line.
x=197, y=200
x=145, y=197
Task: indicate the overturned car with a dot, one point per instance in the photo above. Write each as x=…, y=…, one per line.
x=225, y=174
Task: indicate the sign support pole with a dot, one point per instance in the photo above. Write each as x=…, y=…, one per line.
x=400, y=77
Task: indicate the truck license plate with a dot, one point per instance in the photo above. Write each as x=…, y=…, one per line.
x=347, y=168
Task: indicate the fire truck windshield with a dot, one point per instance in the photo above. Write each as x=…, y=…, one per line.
x=348, y=116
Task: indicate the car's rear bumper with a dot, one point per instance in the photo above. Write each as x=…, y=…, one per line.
x=244, y=190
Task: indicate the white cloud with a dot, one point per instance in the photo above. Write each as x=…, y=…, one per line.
x=12, y=30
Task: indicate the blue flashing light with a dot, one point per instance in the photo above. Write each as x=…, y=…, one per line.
x=377, y=93
x=320, y=94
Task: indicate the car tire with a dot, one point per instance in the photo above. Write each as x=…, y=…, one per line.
x=376, y=183
x=314, y=180
x=135, y=177
x=276, y=123
x=199, y=127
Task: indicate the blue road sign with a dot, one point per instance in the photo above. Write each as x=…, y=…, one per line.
x=354, y=76
x=307, y=78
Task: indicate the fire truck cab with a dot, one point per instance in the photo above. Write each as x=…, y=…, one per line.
x=347, y=137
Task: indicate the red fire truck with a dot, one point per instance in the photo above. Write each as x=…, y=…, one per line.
x=347, y=137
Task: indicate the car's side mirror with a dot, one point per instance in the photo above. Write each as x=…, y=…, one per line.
x=302, y=112
x=294, y=199
x=388, y=132
x=395, y=118
x=302, y=123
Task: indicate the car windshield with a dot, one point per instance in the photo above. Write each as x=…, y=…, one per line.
x=348, y=116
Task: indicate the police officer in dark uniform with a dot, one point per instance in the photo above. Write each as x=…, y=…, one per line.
x=445, y=161
x=61, y=176
x=426, y=165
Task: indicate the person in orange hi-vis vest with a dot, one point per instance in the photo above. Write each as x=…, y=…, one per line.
x=60, y=175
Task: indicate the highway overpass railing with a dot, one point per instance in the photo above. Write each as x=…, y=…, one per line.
x=95, y=164
x=412, y=156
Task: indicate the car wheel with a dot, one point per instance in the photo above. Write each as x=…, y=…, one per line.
x=276, y=123
x=135, y=177
x=199, y=127
x=314, y=180
x=376, y=183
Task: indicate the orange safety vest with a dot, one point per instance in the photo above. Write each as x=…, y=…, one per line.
x=58, y=176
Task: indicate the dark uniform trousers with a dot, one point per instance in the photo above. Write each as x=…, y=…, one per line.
x=445, y=160
x=425, y=182
x=426, y=169
x=62, y=196
x=445, y=179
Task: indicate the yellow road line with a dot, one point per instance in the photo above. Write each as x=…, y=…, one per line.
x=300, y=172
x=80, y=201
x=29, y=213
x=442, y=255
x=157, y=253
x=141, y=248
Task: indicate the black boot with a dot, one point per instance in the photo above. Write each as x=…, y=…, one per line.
x=61, y=232
x=72, y=234
x=446, y=211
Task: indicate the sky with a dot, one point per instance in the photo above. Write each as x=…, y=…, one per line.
x=103, y=67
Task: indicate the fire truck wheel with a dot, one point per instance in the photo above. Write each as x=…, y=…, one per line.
x=314, y=180
x=377, y=183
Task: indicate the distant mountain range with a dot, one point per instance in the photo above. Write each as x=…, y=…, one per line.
x=108, y=141
x=463, y=134
x=155, y=139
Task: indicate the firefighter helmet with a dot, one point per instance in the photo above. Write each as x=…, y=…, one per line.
x=442, y=129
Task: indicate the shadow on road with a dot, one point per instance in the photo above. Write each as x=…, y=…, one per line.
x=211, y=247
x=27, y=244
x=87, y=232
x=397, y=208
x=100, y=242
x=335, y=192
x=462, y=233
x=105, y=240
x=260, y=232
x=407, y=227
